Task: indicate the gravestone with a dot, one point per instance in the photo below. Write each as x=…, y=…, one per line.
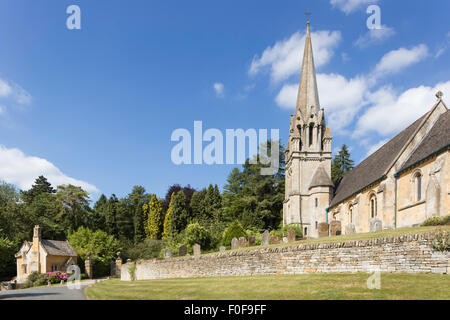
x=242, y=242
x=285, y=240
x=323, y=229
x=335, y=228
x=251, y=241
x=197, y=249
x=182, y=251
x=265, y=238
x=222, y=248
x=167, y=253
x=274, y=240
x=350, y=229
x=234, y=244
x=291, y=235
x=375, y=225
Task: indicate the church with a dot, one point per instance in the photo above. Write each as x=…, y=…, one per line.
x=402, y=184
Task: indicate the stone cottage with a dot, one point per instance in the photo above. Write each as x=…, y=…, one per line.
x=43, y=256
x=402, y=184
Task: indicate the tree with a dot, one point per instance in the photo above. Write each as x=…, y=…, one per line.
x=254, y=199
x=7, y=260
x=195, y=233
x=41, y=185
x=341, y=164
x=153, y=211
x=168, y=228
x=188, y=192
x=75, y=203
x=135, y=201
x=234, y=230
x=99, y=244
x=179, y=214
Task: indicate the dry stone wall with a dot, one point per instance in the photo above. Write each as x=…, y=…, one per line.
x=404, y=254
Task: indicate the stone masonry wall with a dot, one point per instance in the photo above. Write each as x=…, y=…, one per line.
x=404, y=254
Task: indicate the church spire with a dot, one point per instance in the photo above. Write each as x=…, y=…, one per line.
x=308, y=95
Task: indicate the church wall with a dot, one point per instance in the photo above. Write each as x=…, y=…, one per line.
x=434, y=191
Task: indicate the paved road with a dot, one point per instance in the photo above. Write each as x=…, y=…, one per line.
x=49, y=293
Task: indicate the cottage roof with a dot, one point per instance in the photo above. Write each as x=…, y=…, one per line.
x=58, y=248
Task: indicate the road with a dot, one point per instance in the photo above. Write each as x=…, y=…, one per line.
x=47, y=293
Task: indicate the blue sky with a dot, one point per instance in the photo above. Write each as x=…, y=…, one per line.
x=96, y=107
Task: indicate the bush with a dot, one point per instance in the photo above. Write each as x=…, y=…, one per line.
x=441, y=241
x=148, y=249
x=55, y=277
x=437, y=221
x=234, y=230
x=298, y=230
x=35, y=279
x=195, y=233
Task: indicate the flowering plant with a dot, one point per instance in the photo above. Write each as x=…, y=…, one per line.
x=55, y=276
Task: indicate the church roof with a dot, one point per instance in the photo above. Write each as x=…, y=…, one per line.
x=374, y=167
x=321, y=179
x=308, y=95
x=58, y=248
x=437, y=139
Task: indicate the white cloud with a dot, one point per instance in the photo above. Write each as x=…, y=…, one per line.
x=2, y=110
x=374, y=36
x=342, y=98
x=5, y=88
x=389, y=113
x=349, y=6
x=397, y=60
x=21, y=170
x=376, y=146
x=285, y=57
x=440, y=52
x=219, y=88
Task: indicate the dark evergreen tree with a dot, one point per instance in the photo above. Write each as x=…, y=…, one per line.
x=341, y=164
x=41, y=185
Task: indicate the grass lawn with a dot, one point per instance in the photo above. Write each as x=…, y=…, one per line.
x=277, y=287
x=360, y=236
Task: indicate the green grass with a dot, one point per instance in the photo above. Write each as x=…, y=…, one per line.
x=278, y=287
x=359, y=236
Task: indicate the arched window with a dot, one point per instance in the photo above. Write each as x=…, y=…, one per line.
x=350, y=214
x=418, y=188
x=311, y=133
x=306, y=231
x=300, y=145
x=373, y=206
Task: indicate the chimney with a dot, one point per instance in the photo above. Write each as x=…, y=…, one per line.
x=37, y=233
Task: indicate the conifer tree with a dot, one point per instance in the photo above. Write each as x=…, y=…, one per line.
x=341, y=164
x=153, y=211
x=167, y=232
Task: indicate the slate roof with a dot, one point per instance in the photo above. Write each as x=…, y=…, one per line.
x=321, y=179
x=438, y=138
x=58, y=248
x=373, y=167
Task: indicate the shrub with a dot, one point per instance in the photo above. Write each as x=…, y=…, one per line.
x=7, y=260
x=437, y=221
x=195, y=233
x=298, y=230
x=55, y=276
x=234, y=230
x=441, y=241
x=148, y=249
x=35, y=279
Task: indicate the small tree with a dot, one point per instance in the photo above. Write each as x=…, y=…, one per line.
x=153, y=211
x=341, y=164
x=167, y=232
x=195, y=233
x=234, y=230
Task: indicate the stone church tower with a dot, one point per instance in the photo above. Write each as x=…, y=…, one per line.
x=308, y=155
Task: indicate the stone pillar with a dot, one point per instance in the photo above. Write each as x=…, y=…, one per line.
x=118, y=265
x=88, y=266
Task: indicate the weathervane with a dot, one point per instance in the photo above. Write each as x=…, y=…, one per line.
x=307, y=14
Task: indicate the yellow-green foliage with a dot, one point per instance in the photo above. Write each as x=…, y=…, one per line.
x=168, y=220
x=154, y=212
